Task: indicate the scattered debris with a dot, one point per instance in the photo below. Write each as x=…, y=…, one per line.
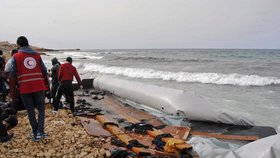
x=68, y=138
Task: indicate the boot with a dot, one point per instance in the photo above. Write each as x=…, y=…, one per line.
x=4, y=135
x=12, y=121
x=7, y=137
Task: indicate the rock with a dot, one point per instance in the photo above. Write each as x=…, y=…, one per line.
x=83, y=154
x=56, y=143
x=58, y=155
x=65, y=140
x=52, y=151
x=48, y=154
x=41, y=154
x=15, y=150
x=33, y=153
x=102, y=151
x=108, y=140
x=4, y=150
x=108, y=153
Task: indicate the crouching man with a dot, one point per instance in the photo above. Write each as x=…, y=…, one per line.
x=8, y=120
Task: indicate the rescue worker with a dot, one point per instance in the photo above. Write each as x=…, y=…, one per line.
x=30, y=72
x=54, y=76
x=65, y=76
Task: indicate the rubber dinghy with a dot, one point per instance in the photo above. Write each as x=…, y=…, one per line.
x=170, y=101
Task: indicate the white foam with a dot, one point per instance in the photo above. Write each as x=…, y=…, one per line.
x=75, y=53
x=89, y=55
x=201, y=77
x=271, y=107
x=93, y=57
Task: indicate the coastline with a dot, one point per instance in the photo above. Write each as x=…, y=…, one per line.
x=7, y=47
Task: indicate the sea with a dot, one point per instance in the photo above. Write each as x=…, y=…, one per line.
x=240, y=80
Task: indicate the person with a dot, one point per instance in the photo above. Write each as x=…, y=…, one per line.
x=2, y=61
x=4, y=76
x=8, y=64
x=8, y=120
x=30, y=72
x=54, y=76
x=65, y=76
x=4, y=135
x=3, y=89
x=8, y=67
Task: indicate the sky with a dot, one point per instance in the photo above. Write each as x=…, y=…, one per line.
x=142, y=24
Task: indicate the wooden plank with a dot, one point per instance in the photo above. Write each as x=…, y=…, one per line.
x=224, y=136
x=114, y=129
x=94, y=128
x=172, y=144
x=182, y=131
x=177, y=132
x=111, y=114
x=134, y=115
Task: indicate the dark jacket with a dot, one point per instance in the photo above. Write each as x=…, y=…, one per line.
x=54, y=73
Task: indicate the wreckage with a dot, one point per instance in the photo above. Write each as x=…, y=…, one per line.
x=120, y=107
x=170, y=101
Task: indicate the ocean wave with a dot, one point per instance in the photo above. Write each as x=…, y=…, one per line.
x=78, y=52
x=200, y=77
x=83, y=55
x=94, y=57
x=159, y=59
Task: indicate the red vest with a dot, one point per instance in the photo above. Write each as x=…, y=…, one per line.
x=29, y=73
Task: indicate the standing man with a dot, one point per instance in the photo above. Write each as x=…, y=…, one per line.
x=54, y=76
x=29, y=71
x=65, y=76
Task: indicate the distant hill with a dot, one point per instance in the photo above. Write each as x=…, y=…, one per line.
x=6, y=47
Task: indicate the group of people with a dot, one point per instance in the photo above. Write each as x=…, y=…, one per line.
x=62, y=77
x=29, y=81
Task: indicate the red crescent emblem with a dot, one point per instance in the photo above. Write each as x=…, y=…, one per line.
x=28, y=63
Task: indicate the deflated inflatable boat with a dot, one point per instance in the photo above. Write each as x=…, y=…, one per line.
x=170, y=101
x=202, y=115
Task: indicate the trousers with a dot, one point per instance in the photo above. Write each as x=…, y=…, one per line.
x=66, y=88
x=32, y=101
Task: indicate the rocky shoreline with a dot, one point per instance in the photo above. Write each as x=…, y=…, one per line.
x=7, y=47
x=67, y=138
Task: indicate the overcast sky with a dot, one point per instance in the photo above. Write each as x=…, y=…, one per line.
x=116, y=24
